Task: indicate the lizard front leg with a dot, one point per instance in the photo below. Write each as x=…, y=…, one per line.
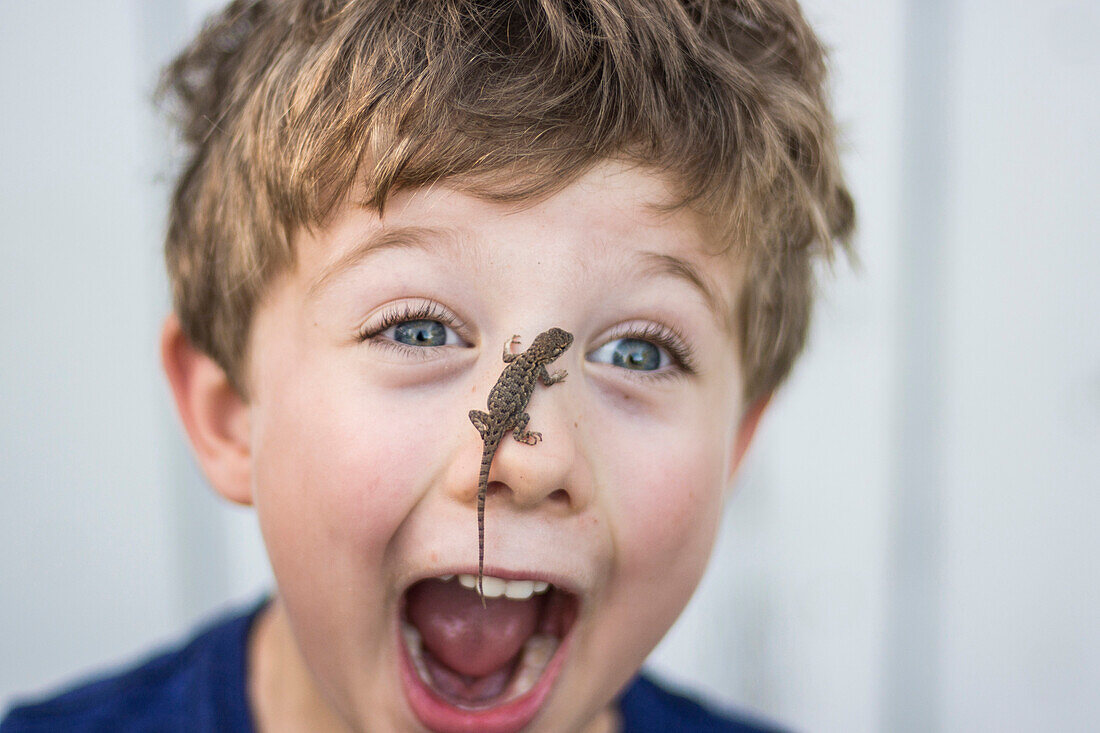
x=508, y=355
x=548, y=378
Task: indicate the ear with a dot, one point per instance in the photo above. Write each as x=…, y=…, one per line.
x=746, y=429
x=214, y=415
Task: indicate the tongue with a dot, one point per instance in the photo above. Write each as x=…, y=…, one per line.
x=469, y=639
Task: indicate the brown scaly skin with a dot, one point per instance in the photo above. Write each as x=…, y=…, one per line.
x=507, y=401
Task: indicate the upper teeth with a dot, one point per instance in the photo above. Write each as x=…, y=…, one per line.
x=496, y=587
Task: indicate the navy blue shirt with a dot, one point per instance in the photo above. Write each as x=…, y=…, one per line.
x=200, y=688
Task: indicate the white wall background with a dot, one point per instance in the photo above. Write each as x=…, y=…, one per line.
x=913, y=546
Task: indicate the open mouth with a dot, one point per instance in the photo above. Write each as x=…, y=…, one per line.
x=466, y=667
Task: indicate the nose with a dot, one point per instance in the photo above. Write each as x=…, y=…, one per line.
x=547, y=474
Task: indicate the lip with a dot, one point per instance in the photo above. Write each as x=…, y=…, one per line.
x=440, y=716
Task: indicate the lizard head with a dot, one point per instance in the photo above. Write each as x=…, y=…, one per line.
x=554, y=342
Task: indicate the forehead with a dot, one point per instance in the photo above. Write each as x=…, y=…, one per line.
x=615, y=218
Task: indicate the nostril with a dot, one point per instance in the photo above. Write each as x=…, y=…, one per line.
x=560, y=496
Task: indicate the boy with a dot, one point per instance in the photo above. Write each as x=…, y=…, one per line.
x=379, y=196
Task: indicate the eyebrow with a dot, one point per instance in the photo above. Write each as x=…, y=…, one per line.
x=665, y=264
x=404, y=237
x=419, y=237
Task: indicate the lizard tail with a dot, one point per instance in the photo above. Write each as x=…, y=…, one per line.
x=482, y=489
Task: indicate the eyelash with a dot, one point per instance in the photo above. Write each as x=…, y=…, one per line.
x=683, y=356
x=430, y=311
x=667, y=338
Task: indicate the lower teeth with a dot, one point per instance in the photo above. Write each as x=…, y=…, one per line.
x=537, y=652
x=416, y=651
x=535, y=655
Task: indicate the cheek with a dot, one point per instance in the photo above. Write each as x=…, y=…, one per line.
x=664, y=510
x=336, y=472
x=667, y=504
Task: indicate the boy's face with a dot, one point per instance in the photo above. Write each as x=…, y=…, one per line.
x=365, y=463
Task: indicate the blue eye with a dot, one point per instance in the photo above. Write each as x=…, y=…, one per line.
x=420, y=333
x=631, y=353
x=416, y=330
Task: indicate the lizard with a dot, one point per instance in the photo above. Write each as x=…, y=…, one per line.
x=507, y=404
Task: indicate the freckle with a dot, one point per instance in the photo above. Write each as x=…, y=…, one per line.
x=575, y=425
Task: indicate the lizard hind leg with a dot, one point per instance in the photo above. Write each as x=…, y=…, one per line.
x=481, y=422
x=530, y=437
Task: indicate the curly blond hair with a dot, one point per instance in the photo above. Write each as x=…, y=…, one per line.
x=286, y=106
